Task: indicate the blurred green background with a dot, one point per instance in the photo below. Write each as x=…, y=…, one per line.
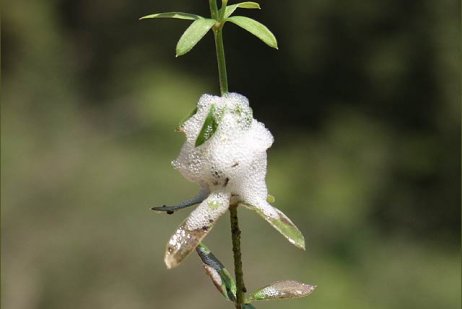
x=362, y=98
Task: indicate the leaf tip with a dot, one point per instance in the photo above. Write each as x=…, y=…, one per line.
x=168, y=263
x=179, y=53
x=274, y=44
x=299, y=242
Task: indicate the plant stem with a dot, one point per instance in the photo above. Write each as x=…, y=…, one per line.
x=223, y=78
x=213, y=8
x=236, y=236
x=220, y=48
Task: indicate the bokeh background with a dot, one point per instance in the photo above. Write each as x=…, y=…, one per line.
x=362, y=98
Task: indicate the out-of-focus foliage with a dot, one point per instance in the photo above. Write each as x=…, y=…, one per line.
x=362, y=100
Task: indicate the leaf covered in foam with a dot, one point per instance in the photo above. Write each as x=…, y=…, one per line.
x=209, y=127
x=282, y=290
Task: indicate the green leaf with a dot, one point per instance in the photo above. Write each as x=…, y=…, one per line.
x=176, y=15
x=193, y=35
x=282, y=290
x=289, y=230
x=192, y=113
x=248, y=306
x=220, y=276
x=243, y=5
x=256, y=28
x=208, y=128
x=280, y=222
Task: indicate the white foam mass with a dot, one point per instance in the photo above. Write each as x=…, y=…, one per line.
x=233, y=159
x=230, y=166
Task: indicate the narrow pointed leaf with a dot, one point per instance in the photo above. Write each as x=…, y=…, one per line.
x=198, y=224
x=220, y=276
x=192, y=113
x=175, y=15
x=243, y=5
x=193, y=35
x=282, y=290
x=256, y=28
x=208, y=128
x=280, y=222
x=199, y=198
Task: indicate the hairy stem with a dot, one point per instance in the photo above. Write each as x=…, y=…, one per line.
x=236, y=236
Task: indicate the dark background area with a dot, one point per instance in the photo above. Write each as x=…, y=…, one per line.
x=363, y=98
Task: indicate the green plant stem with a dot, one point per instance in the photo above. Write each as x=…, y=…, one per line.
x=223, y=78
x=238, y=273
x=213, y=8
x=219, y=46
x=220, y=49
